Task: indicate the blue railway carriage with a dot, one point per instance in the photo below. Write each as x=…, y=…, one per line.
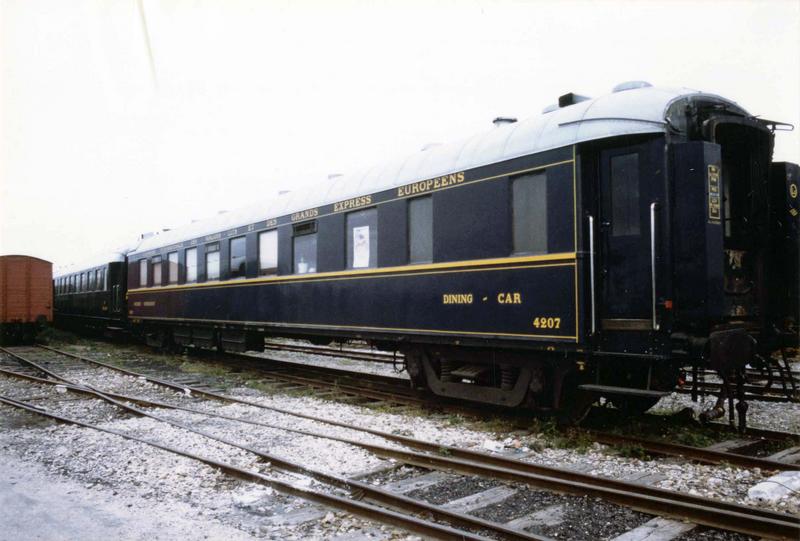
x=91, y=296
x=590, y=251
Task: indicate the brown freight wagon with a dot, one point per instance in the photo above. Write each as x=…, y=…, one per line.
x=26, y=297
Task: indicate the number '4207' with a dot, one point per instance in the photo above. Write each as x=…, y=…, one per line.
x=547, y=322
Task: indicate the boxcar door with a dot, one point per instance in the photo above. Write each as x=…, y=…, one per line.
x=628, y=180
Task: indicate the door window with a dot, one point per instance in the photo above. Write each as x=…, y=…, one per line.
x=625, y=195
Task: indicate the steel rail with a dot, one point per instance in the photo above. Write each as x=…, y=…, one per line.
x=365, y=510
x=359, y=383
x=751, y=373
x=649, y=499
x=749, y=397
x=697, y=454
x=328, y=351
x=402, y=393
x=354, y=486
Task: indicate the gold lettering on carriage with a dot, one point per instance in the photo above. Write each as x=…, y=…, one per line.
x=509, y=298
x=354, y=203
x=457, y=298
x=431, y=184
x=305, y=215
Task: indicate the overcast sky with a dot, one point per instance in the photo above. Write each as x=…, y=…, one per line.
x=247, y=98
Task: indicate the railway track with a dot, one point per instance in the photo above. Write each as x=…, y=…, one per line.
x=395, y=394
x=379, y=505
x=434, y=456
x=359, y=354
x=396, y=391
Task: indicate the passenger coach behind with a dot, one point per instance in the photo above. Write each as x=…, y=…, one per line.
x=91, y=296
x=588, y=252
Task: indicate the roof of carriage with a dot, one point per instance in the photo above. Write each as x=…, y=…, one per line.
x=637, y=110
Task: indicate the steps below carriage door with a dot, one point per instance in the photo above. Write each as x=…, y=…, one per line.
x=631, y=178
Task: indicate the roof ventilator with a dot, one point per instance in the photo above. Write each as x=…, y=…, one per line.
x=630, y=85
x=571, y=99
x=503, y=120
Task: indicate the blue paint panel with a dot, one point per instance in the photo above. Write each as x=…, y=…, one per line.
x=400, y=302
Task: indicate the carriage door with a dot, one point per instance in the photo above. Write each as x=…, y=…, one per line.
x=627, y=183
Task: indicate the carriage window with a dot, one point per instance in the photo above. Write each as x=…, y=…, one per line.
x=529, y=211
x=420, y=230
x=102, y=279
x=212, y=261
x=238, y=257
x=362, y=239
x=625, y=195
x=83, y=282
x=172, y=260
x=96, y=280
x=305, y=248
x=191, y=265
x=157, y=271
x=268, y=253
x=143, y=273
